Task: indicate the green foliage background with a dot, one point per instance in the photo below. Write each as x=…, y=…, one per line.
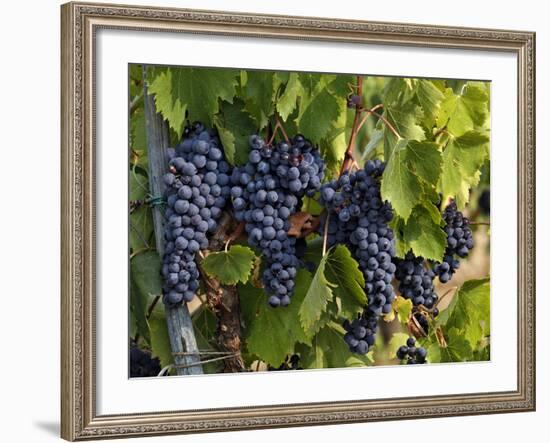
x=442, y=149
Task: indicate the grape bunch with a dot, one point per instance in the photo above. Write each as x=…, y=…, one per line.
x=411, y=354
x=361, y=332
x=142, y=364
x=358, y=218
x=197, y=189
x=459, y=242
x=265, y=193
x=415, y=280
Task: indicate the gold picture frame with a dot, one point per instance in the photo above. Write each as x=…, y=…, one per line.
x=80, y=21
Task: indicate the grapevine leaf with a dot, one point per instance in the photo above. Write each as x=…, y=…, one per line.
x=316, y=117
x=173, y=110
x=469, y=311
x=466, y=111
x=403, y=307
x=430, y=98
x=287, y=101
x=457, y=347
x=200, y=90
x=316, y=299
x=425, y=160
x=160, y=341
x=376, y=138
x=141, y=219
x=344, y=272
x=463, y=158
x=205, y=326
x=258, y=96
x=334, y=144
x=400, y=186
x=234, y=127
x=329, y=350
x=230, y=267
x=425, y=237
x=397, y=91
x=311, y=81
x=272, y=334
x=138, y=138
x=145, y=284
x=398, y=339
x=406, y=120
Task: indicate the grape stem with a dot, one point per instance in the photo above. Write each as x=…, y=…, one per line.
x=235, y=234
x=480, y=224
x=278, y=126
x=444, y=295
x=348, y=156
x=372, y=111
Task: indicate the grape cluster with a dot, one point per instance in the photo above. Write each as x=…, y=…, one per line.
x=197, y=189
x=142, y=364
x=358, y=218
x=361, y=332
x=412, y=354
x=459, y=242
x=265, y=193
x=415, y=280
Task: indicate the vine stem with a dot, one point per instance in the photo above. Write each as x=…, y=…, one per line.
x=348, y=157
x=278, y=126
x=480, y=224
x=372, y=111
x=444, y=295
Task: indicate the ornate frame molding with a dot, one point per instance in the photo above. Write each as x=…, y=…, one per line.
x=79, y=23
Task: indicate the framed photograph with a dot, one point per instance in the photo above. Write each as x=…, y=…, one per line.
x=284, y=221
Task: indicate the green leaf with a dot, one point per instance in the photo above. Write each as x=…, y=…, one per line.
x=349, y=283
x=145, y=284
x=376, y=139
x=463, y=159
x=400, y=185
x=173, y=110
x=398, y=339
x=469, y=311
x=205, y=325
x=160, y=341
x=406, y=120
x=397, y=91
x=141, y=219
x=424, y=158
x=258, y=96
x=329, y=350
x=466, y=111
x=234, y=128
x=316, y=299
x=288, y=99
x=196, y=91
x=430, y=98
x=138, y=138
x=457, y=349
x=230, y=267
x=403, y=307
x=318, y=113
x=272, y=334
x=425, y=237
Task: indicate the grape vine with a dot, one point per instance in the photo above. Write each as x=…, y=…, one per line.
x=358, y=228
